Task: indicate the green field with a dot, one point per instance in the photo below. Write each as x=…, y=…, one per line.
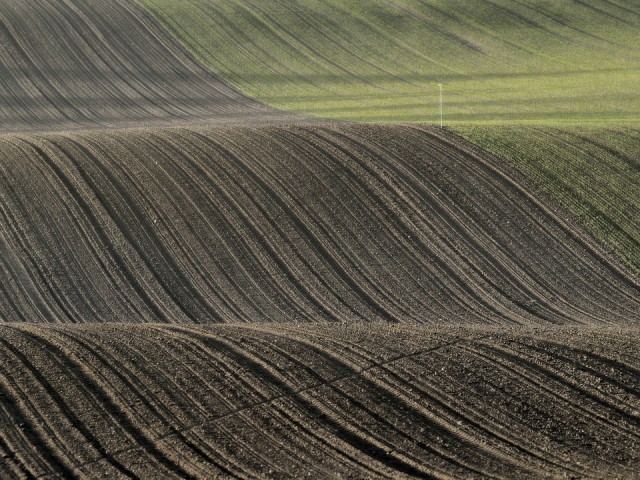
x=591, y=173
x=500, y=62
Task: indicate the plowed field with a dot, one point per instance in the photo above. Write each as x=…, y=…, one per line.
x=337, y=223
x=93, y=63
x=196, y=285
x=277, y=401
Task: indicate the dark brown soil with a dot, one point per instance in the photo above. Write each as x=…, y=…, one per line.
x=288, y=224
x=374, y=301
x=277, y=401
x=333, y=226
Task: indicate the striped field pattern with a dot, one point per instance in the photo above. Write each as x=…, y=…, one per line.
x=289, y=224
x=194, y=284
x=159, y=401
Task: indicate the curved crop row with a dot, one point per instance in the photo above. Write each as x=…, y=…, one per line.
x=276, y=224
x=325, y=401
x=95, y=63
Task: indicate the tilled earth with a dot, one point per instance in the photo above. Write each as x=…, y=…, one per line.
x=277, y=401
x=194, y=285
x=289, y=224
x=342, y=230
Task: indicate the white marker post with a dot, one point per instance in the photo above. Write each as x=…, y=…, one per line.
x=441, y=112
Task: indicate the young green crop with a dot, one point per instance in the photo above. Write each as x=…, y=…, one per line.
x=591, y=172
x=500, y=62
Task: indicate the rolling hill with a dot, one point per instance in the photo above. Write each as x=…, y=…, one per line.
x=289, y=224
x=200, y=278
x=501, y=61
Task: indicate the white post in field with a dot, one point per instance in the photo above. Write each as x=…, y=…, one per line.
x=441, y=111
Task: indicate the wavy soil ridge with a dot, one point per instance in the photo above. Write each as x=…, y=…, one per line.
x=276, y=401
x=288, y=224
x=80, y=64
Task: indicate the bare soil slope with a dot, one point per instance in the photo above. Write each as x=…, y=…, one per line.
x=93, y=63
x=288, y=224
x=322, y=401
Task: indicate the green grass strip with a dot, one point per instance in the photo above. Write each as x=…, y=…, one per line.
x=501, y=61
x=592, y=173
